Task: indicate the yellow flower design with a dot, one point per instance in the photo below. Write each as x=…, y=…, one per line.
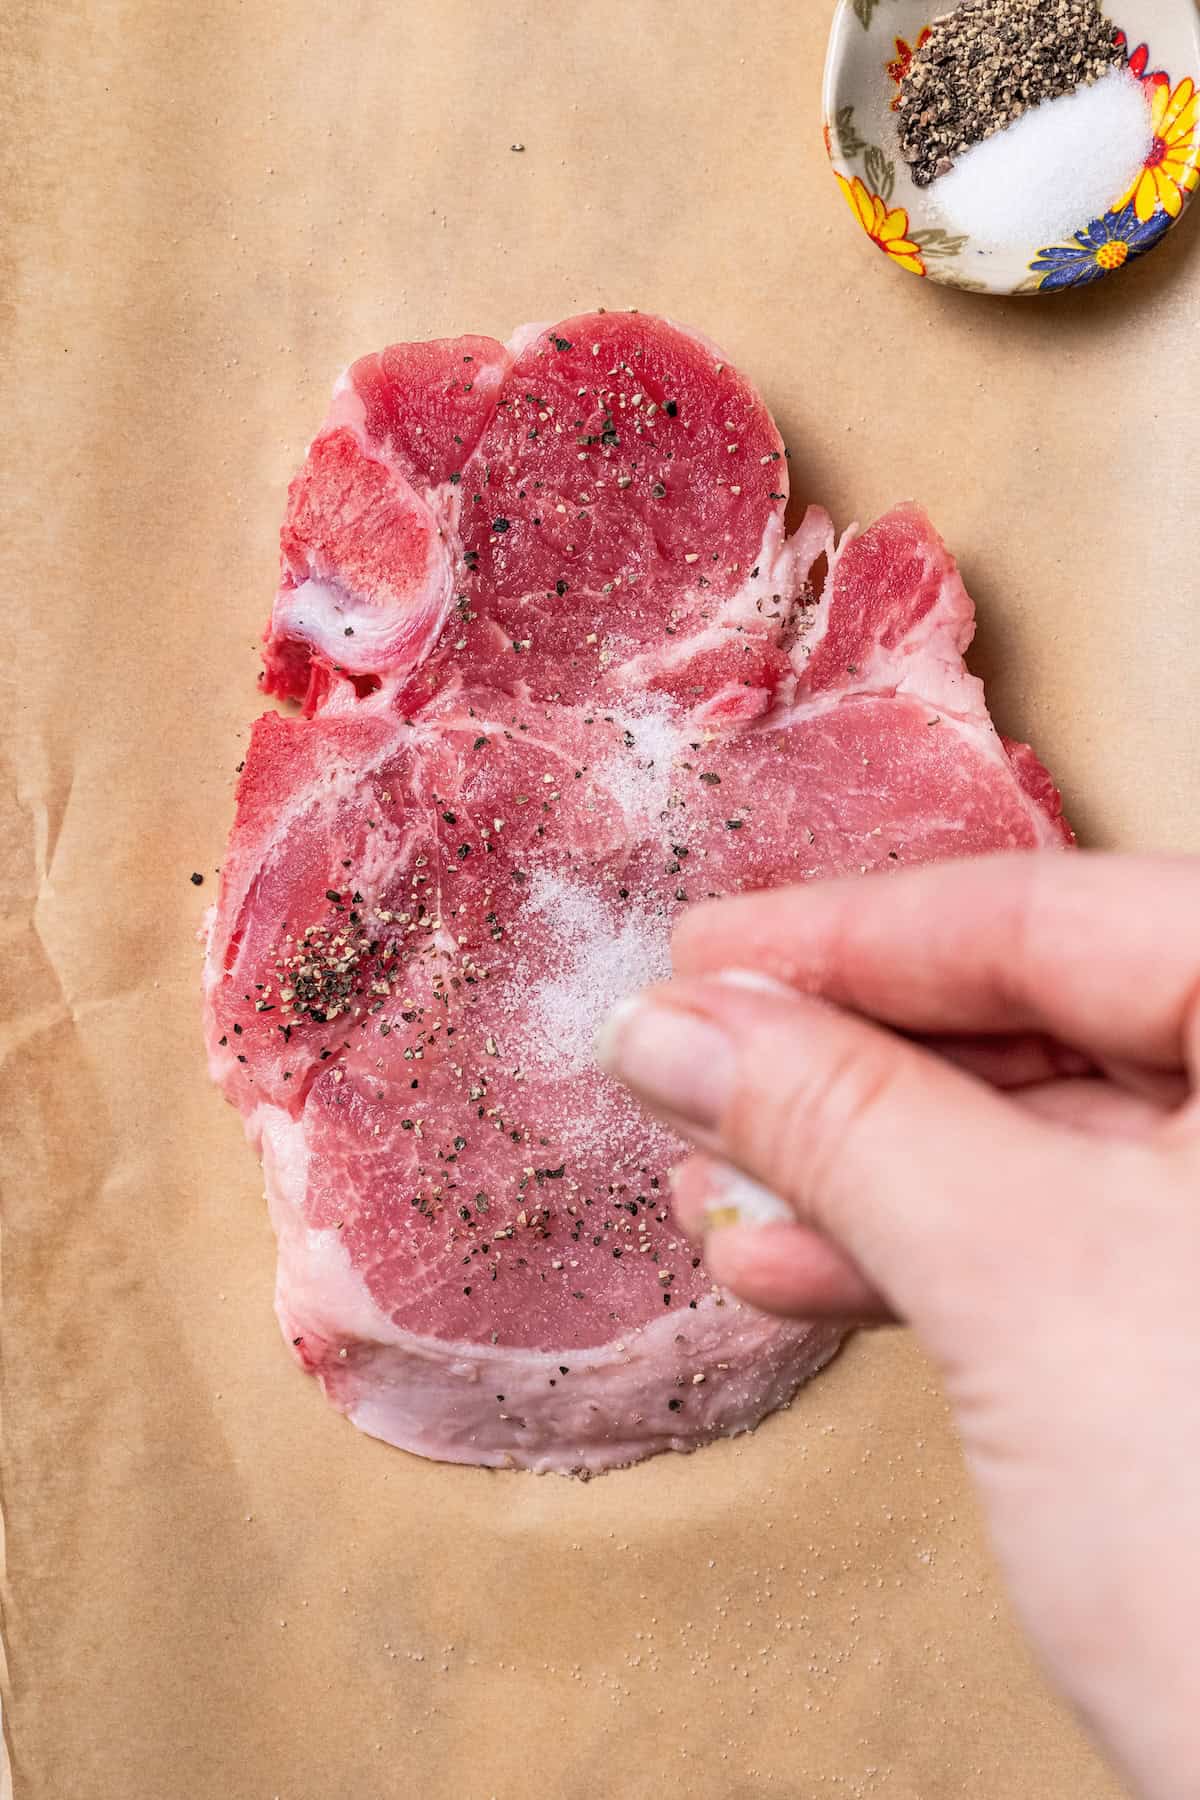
x=887, y=229
x=1170, y=171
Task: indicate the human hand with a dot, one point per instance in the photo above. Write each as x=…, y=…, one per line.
x=973, y=1088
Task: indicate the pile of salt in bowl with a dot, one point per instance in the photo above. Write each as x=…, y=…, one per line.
x=1022, y=119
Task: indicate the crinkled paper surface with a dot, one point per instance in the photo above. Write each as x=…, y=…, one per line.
x=214, y=1587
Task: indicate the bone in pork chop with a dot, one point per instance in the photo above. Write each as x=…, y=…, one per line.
x=562, y=673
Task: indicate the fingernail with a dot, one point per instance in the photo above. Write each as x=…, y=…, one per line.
x=756, y=980
x=672, y=1059
x=736, y=1200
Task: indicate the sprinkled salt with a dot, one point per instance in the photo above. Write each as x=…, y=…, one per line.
x=637, y=772
x=587, y=961
x=589, y=945
x=1051, y=173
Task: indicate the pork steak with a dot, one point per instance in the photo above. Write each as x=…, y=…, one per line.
x=562, y=671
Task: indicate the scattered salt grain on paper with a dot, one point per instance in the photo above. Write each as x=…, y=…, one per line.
x=1055, y=170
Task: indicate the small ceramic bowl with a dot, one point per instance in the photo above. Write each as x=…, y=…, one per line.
x=870, y=49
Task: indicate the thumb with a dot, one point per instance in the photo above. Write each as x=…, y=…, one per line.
x=931, y=1184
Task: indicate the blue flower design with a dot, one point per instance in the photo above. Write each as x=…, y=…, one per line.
x=1104, y=245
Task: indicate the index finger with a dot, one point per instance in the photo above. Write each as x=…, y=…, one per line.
x=1100, y=951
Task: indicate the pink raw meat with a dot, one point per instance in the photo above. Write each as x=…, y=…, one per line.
x=562, y=672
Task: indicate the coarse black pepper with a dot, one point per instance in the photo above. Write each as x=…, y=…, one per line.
x=986, y=63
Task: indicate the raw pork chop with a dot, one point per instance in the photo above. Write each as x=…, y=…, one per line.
x=563, y=672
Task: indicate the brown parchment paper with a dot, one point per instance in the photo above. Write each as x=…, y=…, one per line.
x=214, y=1588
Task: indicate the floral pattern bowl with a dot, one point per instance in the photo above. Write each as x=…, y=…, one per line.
x=870, y=48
